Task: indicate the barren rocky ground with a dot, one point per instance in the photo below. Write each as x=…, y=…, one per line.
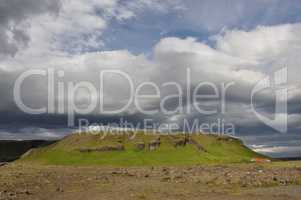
x=240, y=181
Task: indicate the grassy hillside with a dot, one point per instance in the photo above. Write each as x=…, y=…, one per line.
x=87, y=149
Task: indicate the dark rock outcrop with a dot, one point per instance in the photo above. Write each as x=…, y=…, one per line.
x=153, y=145
x=140, y=146
x=104, y=148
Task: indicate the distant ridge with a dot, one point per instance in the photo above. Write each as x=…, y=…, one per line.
x=11, y=150
x=289, y=158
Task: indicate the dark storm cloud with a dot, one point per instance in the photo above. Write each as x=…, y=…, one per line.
x=277, y=145
x=294, y=105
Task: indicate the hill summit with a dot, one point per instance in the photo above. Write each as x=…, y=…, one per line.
x=141, y=149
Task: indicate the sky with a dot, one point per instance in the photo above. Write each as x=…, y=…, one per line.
x=219, y=41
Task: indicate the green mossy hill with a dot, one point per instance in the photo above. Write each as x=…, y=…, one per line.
x=141, y=150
